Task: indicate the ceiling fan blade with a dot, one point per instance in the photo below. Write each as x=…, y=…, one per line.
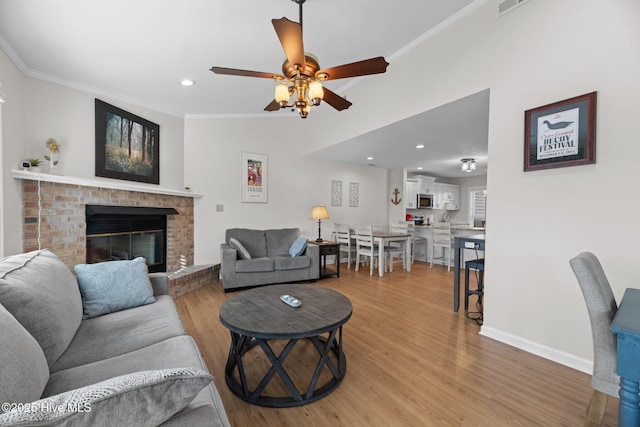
x=273, y=106
x=335, y=100
x=290, y=35
x=245, y=73
x=361, y=68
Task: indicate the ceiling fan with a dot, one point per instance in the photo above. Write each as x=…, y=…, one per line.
x=301, y=80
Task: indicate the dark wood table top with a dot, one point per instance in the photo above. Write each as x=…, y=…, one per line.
x=260, y=313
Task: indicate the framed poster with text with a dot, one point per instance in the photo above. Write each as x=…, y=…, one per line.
x=255, y=183
x=561, y=134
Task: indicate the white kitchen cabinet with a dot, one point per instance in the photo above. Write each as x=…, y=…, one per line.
x=411, y=194
x=426, y=185
x=447, y=196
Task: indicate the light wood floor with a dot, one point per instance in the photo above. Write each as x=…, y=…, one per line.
x=411, y=361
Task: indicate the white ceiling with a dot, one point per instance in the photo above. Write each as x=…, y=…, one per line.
x=137, y=51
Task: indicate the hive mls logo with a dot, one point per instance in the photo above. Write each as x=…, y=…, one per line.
x=558, y=134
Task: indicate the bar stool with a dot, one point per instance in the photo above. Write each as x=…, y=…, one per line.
x=478, y=265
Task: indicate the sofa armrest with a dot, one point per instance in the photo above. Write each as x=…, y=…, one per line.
x=228, y=258
x=313, y=252
x=160, y=283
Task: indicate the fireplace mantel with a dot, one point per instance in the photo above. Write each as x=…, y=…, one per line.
x=114, y=185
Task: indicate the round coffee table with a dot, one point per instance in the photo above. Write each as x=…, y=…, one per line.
x=257, y=316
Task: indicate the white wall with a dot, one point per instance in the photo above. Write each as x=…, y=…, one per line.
x=13, y=128
x=397, y=179
x=213, y=150
x=68, y=115
x=36, y=110
x=583, y=46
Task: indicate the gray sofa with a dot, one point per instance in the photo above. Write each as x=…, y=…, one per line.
x=270, y=259
x=130, y=367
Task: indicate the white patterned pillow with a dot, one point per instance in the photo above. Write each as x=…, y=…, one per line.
x=112, y=286
x=243, y=253
x=146, y=398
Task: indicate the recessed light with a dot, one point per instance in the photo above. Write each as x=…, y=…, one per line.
x=420, y=146
x=369, y=158
x=419, y=168
x=187, y=82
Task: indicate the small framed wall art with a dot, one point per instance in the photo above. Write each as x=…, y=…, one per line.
x=561, y=134
x=336, y=193
x=354, y=194
x=255, y=182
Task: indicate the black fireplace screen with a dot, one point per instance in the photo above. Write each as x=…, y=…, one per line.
x=123, y=233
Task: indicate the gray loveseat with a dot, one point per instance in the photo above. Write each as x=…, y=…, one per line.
x=130, y=367
x=270, y=259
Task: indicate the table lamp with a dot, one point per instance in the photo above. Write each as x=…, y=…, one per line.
x=319, y=213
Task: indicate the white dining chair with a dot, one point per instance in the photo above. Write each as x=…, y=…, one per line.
x=396, y=250
x=366, y=247
x=416, y=241
x=442, y=241
x=343, y=236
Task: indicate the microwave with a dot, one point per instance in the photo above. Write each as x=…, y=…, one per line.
x=425, y=201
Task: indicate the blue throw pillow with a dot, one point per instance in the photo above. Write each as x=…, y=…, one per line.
x=298, y=246
x=112, y=286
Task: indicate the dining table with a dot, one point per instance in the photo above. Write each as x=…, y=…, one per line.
x=475, y=242
x=382, y=239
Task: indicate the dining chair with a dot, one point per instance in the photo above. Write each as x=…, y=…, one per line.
x=366, y=247
x=343, y=236
x=441, y=241
x=416, y=241
x=396, y=250
x=602, y=307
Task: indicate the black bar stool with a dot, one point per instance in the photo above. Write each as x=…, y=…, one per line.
x=476, y=264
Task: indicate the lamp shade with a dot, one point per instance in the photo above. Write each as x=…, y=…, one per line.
x=319, y=212
x=315, y=90
x=282, y=93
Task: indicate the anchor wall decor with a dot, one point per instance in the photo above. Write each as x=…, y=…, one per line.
x=395, y=199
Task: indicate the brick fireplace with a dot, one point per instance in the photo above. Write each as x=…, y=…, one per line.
x=54, y=213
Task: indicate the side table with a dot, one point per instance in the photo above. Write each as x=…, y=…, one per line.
x=328, y=247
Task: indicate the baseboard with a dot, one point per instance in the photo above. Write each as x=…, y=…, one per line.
x=566, y=359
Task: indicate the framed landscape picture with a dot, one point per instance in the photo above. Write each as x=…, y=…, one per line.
x=255, y=183
x=127, y=146
x=561, y=134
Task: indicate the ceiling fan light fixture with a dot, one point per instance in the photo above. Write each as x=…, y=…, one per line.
x=282, y=94
x=468, y=165
x=302, y=76
x=316, y=93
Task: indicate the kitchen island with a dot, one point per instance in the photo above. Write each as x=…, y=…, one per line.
x=457, y=230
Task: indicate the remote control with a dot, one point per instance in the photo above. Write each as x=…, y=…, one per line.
x=292, y=301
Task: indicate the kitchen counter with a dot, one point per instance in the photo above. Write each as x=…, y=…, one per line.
x=457, y=230
x=459, y=227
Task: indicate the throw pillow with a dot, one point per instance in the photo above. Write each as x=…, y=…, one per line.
x=38, y=289
x=298, y=247
x=243, y=253
x=146, y=398
x=112, y=286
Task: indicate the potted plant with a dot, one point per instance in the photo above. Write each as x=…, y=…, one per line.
x=35, y=164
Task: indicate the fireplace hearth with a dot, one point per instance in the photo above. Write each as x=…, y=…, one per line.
x=127, y=232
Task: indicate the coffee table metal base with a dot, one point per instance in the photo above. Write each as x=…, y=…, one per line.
x=241, y=344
